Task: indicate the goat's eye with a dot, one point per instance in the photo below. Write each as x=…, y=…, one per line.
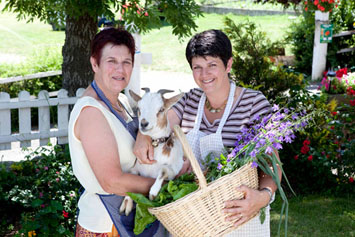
x=161, y=110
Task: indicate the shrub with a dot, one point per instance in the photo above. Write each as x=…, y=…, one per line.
x=301, y=37
x=252, y=66
x=321, y=158
x=47, y=191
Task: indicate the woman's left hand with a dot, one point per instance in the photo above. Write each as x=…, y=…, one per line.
x=243, y=210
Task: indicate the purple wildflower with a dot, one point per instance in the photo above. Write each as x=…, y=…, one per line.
x=275, y=107
x=254, y=164
x=288, y=139
x=268, y=149
x=295, y=116
x=277, y=146
x=253, y=153
x=228, y=160
x=220, y=166
x=286, y=111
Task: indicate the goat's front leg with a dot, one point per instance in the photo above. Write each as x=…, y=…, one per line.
x=164, y=173
x=127, y=203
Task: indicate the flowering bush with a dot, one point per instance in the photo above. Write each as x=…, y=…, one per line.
x=342, y=82
x=320, y=5
x=47, y=191
x=258, y=143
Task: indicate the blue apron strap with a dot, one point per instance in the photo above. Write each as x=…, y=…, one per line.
x=125, y=224
x=132, y=127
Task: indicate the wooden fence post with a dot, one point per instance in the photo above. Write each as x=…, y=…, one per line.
x=5, y=120
x=44, y=118
x=24, y=115
x=63, y=115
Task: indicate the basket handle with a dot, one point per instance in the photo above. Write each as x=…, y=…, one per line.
x=190, y=155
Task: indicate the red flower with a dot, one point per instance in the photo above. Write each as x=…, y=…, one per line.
x=352, y=102
x=310, y=158
x=341, y=72
x=65, y=214
x=306, y=142
x=332, y=127
x=296, y=157
x=351, y=180
x=334, y=113
x=304, y=149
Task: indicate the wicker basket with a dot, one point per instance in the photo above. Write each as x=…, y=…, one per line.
x=200, y=213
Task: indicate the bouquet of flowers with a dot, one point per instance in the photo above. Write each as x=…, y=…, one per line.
x=258, y=145
x=321, y=5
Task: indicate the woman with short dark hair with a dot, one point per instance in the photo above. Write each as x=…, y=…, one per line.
x=212, y=116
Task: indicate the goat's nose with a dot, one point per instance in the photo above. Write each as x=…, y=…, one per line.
x=144, y=123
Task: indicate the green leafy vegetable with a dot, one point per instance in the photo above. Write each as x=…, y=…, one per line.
x=172, y=191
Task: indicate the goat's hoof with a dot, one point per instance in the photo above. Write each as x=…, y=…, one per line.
x=126, y=206
x=152, y=197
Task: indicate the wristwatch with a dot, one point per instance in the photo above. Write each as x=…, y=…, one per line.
x=272, y=197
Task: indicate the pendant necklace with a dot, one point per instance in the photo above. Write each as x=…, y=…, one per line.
x=215, y=110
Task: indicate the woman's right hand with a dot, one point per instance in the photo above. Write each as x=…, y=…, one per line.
x=143, y=149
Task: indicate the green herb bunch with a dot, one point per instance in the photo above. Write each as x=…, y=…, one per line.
x=172, y=191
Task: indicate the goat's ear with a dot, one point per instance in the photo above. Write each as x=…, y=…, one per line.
x=168, y=103
x=135, y=96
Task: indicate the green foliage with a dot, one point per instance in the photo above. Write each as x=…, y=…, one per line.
x=145, y=16
x=252, y=66
x=320, y=158
x=170, y=192
x=301, y=37
x=46, y=190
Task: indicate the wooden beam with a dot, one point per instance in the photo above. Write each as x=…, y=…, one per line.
x=347, y=50
x=344, y=33
x=30, y=76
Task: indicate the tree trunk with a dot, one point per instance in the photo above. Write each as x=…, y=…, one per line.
x=76, y=68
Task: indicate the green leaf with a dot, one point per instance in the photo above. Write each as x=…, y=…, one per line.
x=141, y=199
x=262, y=215
x=142, y=219
x=36, y=203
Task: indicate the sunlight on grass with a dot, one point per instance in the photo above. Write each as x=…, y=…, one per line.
x=317, y=216
x=169, y=53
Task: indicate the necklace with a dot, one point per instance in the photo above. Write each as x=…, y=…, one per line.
x=119, y=107
x=215, y=110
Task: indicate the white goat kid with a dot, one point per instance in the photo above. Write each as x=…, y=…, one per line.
x=168, y=154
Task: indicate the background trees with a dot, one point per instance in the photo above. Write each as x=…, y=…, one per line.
x=81, y=24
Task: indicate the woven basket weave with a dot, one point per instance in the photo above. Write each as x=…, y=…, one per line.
x=200, y=213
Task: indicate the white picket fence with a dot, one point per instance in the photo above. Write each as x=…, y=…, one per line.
x=44, y=132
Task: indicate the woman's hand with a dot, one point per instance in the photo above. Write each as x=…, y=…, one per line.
x=243, y=210
x=143, y=149
x=186, y=167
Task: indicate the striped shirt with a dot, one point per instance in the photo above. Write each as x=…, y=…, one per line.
x=248, y=105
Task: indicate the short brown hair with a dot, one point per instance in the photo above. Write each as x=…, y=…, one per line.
x=115, y=36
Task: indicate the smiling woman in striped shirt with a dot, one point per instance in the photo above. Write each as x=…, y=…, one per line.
x=212, y=116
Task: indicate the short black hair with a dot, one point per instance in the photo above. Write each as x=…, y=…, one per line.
x=213, y=43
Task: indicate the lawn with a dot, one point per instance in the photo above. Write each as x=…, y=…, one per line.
x=317, y=215
x=22, y=39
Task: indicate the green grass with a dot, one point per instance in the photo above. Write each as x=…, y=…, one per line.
x=169, y=53
x=317, y=215
x=25, y=39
